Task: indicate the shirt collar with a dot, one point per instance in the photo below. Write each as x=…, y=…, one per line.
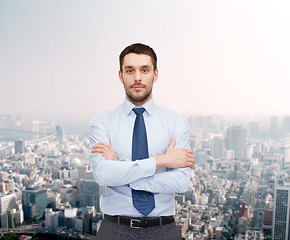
x=149, y=106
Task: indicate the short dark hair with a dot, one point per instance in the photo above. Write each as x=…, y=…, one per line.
x=138, y=48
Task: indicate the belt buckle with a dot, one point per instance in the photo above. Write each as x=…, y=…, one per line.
x=132, y=222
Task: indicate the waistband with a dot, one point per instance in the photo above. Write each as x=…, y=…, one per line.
x=140, y=222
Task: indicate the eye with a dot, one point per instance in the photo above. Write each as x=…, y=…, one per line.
x=145, y=70
x=129, y=71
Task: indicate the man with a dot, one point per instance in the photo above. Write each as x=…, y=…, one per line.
x=140, y=152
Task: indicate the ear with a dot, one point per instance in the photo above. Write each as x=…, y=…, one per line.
x=121, y=76
x=155, y=75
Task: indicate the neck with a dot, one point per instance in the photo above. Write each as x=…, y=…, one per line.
x=139, y=103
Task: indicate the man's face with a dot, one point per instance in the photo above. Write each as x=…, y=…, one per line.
x=138, y=76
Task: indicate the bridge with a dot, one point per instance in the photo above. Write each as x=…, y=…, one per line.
x=26, y=131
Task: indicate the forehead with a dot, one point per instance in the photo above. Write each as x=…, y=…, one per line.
x=137, y=60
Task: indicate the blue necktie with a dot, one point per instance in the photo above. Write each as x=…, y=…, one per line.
x=143, y=201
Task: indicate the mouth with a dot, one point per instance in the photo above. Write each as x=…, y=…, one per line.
x=137, y=87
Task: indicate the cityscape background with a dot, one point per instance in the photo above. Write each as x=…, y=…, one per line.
x=59, y=59
x=224, y=64
x=239, y=188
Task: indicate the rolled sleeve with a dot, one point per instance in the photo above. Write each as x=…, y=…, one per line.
x=115, y=172
x=172, y=180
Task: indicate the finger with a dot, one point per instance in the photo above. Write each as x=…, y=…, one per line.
x=101, y=148
x=172, y=143
x=103, y=155
x=190, y=160
x=99, y=152
x=187, y=150
x=109, y=150
x=106, y=149
x=94, y=150
x=190, y=155
x=103, y=144
x=98, y=144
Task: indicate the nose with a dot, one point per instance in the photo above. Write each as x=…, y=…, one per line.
x=137, y=76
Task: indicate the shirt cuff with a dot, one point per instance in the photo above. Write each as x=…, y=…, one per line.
x=148, y=166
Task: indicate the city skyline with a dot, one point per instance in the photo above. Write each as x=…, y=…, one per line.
x=232, y=192
x=59, y=60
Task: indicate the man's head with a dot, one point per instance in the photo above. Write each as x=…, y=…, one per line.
x=138, y=72
x=138, y=48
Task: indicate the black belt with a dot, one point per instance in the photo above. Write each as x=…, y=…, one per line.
x=140, y=222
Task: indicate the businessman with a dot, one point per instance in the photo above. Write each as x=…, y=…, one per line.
x=140, y=152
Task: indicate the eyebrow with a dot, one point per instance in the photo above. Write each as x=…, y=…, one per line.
x=144, y=66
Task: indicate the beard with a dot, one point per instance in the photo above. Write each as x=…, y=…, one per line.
x=140, y=98
x=134, y=96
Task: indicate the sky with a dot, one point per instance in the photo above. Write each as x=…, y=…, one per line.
x=59, y=59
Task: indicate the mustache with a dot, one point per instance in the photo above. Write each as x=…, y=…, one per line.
x=139, y=85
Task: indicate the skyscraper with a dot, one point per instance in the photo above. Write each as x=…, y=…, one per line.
x=34, y=202
x=286, y=125
x=236, y=141
x=19, y=146
x=217, y=148
x=274, y=129
x=281, y=217
x=35, y=129
x=89, y=193
x=254, y=129
x=59, y=134
x=7, y=202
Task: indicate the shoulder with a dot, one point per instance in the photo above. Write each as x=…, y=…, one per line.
x=106, y=116
x=172, y=116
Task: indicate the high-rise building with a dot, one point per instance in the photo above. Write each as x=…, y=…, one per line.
x=7, y=202
x=34, y=202
x=286, y=125
x=35, y=129
x=217, y=148
x=70, y=215
x=274, y=129
x=236, y=141
x=89, y=193
x=82, y=171
x=281, y=217
x=254, y=129
x=19, y=146
x=59, y=134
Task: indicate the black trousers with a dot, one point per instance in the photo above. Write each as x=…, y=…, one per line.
x=110, y=230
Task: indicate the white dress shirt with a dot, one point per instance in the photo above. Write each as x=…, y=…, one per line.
x=115, y=127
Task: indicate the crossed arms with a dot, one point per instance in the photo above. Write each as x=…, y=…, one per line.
x=141, y=174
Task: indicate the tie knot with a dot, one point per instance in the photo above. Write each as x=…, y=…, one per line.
x=138, y=111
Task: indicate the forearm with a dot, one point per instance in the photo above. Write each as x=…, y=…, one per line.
x=117, y=173
x=170, y=181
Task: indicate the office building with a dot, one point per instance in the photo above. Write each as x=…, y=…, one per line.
x=254, y=129
x=19, y=146
x=236, y=141
x=281, y=217
x=274, y=129
x=34, y=202
x=89, y=193
x=7, y=202
x=217, y=148
x=59, y=134
x=286, y=125
x=70, y=215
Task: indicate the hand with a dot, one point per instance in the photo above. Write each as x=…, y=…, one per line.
x=105, y=150
x=175, y=157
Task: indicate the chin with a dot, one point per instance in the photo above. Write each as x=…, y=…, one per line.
x=138, y=99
